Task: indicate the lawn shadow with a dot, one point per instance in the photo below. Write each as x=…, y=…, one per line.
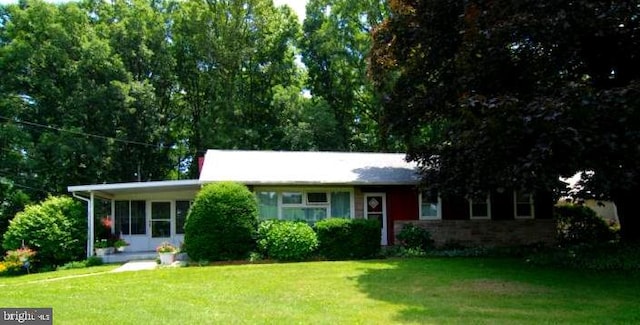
x=478, y=291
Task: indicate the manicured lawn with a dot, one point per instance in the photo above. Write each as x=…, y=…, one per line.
x=431, y=291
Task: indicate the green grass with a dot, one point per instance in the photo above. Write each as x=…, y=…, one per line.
x=425, y=291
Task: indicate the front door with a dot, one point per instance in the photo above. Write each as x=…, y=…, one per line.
x=375, y=207
x=160, y=222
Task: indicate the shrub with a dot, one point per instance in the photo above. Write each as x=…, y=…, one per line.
x=94, y=261
x=12, y=201
x=333, y=238
x=415, y=238
x=221, y=223
x=55, y=228
x=17, y=261
x=11, y=268
x=89, y=262
x=580, y=225
x=348, y=238
x=365, y=238
x=72, y=265
x=286, y=240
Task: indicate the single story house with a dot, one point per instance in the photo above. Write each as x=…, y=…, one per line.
x=315, y=185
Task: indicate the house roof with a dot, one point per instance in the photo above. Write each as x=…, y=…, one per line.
x=280, y=168
x=113, y=188
x=308, y=167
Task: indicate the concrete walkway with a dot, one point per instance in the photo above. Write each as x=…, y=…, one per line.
x=137, y=266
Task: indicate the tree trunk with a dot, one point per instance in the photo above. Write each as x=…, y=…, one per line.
x=628, y=214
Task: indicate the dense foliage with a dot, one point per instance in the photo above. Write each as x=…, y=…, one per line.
x=581, y=225
x=514, y=94
x=116, y=91
x=286, y=240
x=222, y=223
x=12, y=201
x=341, y=239
x=56, y=229
x=414, y=237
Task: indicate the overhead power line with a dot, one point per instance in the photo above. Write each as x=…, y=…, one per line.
x=13, y=183
x=103, y=137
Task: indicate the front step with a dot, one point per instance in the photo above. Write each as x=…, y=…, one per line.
x=129, y=256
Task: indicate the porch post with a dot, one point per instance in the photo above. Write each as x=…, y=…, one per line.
x=90, y=223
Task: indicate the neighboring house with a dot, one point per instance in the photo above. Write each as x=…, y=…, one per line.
x=603, y=208
x=315, y=185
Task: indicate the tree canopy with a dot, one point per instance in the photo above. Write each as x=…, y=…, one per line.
x=118, y=91
x=514, y=94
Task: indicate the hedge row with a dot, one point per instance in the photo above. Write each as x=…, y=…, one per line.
x=335, y=239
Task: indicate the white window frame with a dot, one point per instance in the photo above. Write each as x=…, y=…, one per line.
x=129, y=201
x=474, y=217
x=438, y=209
x=305, y=204
x=515, y=206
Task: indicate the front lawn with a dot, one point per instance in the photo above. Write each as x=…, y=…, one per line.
x=455, y=290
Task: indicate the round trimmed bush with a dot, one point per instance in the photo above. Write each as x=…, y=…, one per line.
x=286, y=240
x=221, y=223
x=56, y=229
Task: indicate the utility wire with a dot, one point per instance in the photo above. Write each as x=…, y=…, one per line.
x=33, y=124
x=25, y=186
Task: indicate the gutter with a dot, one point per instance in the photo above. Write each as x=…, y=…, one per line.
x=90, y=220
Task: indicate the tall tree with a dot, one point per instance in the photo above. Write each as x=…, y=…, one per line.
x=506, y=93
x=67, y=87
x=230, y=54
x=139, y=34
x=335, y=46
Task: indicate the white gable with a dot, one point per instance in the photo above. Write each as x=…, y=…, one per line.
x=307, y=167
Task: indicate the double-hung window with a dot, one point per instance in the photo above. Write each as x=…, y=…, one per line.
x=523, y=205
x=480, y=209
x=430, y=206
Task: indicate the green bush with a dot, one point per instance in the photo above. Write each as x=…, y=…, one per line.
x=415, y=238
x=12, y=201
x=89, y=262
x=286, y=240
x=55, y=228
x=221, y=223
x=94, y=261
x=365, y=238
x=580, y=225
x=341, y=239
x=333, y=236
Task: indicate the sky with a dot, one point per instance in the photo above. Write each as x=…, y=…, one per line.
x=297, y=5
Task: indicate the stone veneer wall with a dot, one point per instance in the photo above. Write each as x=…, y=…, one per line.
x=488, y=233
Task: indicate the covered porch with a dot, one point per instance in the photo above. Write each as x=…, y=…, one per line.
x=144, y=214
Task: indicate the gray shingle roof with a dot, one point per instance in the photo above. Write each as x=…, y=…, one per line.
x=307, y=167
